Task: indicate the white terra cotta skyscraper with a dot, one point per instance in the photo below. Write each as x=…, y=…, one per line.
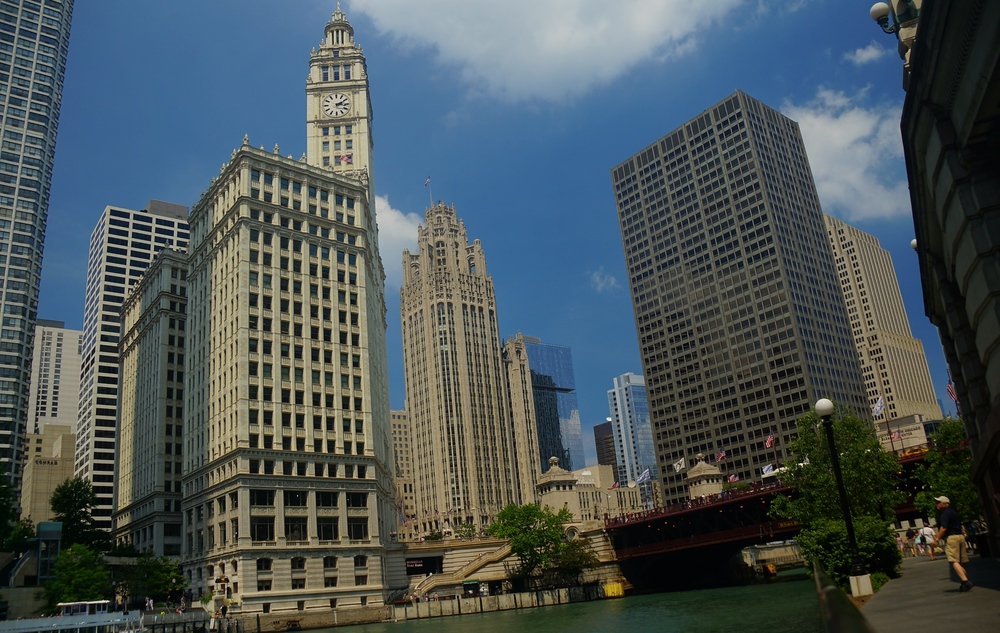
x=287, y=449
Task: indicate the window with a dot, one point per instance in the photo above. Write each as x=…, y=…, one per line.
x=262, y=528
x=263, y=564
x=327, y=528
x=264, y=585
x=262, y=497
x=326, y=499
x=299, y=583
x=360, y=560
x=298, y=563
x=294, y=498
x=295, y=529
x=357, y=528
x=329, y=562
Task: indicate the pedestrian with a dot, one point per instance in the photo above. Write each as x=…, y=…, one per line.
x=955, y=549
x=900, y=544
x=927, y=534
x=910, y=544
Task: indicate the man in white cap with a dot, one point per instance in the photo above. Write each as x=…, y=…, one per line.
x=955, y=549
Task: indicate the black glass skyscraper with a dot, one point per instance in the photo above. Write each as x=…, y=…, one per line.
x=556, y=410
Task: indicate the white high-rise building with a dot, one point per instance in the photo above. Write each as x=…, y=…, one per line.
x=287, y=454
x=123, y=244
x=633, y=432
x=893, y=364
x=55, y=376
x=147, y=512
x=468, y=396
x=34, y=41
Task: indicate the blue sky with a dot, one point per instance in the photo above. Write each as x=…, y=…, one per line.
x=517, y=111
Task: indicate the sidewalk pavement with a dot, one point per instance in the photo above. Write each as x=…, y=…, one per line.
x=926, y=596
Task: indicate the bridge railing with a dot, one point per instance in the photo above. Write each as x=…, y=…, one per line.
x=725, y=497
x=838, y=612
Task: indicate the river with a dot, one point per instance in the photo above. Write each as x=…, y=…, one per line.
x=789, y=606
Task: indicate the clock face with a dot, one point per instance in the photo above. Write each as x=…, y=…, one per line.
x=336, y=104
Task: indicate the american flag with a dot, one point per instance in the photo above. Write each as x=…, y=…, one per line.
x=770, y=441
x=721, y=455
x=951, y=392
x=733, y=478
x=896, y=436
x=346, y=159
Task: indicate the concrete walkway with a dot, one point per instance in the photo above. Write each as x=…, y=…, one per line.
x=926, y=597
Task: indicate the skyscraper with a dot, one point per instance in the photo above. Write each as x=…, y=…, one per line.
x=34, y=39
x=55, y=376
x=897, y=380
x=557, y=414
x=287, y=441
x=604, y=443
x=147, y=512
x=468, y=397
x=122, y=245
x=740, y=317
x=633, y=433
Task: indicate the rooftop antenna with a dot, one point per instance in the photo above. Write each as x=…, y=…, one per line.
x=430, y=194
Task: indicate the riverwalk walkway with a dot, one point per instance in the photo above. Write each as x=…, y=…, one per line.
x=927, y=598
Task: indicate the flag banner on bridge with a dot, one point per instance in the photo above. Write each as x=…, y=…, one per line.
x=680, y=465
x=767, y=470
x=733, y=478
x=644, y=477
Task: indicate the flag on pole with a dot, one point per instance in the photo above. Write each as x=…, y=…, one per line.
x=680, y=465
x=644, y=477
x=951, y=392
x=721, y=455
x=427, y=182
x=615, y=486
x=770, y=441
x=896, y=436
x=734, y=478
x=767, y=470
x=878, y=407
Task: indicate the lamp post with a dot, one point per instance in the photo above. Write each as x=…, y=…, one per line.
x=861, y=584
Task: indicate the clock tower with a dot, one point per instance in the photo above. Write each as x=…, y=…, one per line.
x=338, y=106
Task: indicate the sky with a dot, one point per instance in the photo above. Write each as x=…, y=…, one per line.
x=517, y=110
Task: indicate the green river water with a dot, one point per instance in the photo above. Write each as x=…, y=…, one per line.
x=782, y=607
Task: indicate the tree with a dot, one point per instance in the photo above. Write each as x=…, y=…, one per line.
x=536, y=536
x=18, y=541
x=947, y=470
x=72, y=503
x=159, y=578
x=79, y=574
x=870, y=477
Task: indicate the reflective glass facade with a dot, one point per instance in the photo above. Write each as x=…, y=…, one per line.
x=34, y=41
x=556, y=411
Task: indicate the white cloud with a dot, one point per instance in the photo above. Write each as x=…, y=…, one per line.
x=546, y=49
x=396, y=231
x=855, y=153
x=602, y=281
x=866, y=55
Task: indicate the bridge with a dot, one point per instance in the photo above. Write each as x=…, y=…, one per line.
x=692, y=544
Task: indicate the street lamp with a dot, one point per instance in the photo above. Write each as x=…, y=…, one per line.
x=861, y=584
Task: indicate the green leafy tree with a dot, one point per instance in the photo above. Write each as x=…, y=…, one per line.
x=947, y=470
x=79, y=574
x=157, y=577
x=465, y=530
x=870, y=476
x=19, y=539
x=535, y=534
x=573, y=558
x=72, y=503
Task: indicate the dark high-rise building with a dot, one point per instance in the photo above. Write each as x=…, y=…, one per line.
x=557, y=414
x=34, y=39
x=604, y=442
x=740, y=317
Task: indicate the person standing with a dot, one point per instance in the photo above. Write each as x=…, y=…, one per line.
x=927, y=534
x=955, y=549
